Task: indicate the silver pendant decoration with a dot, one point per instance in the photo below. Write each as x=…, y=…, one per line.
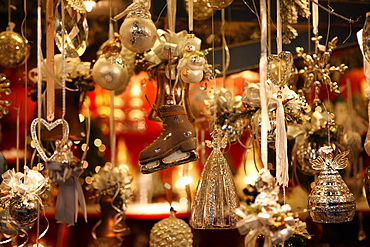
x=330, y=200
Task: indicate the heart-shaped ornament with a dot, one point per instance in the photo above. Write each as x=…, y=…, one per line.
x=49, y=126
x=279, y=68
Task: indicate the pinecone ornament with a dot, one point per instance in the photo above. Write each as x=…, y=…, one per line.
x=171, y=231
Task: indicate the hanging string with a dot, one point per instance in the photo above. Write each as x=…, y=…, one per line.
x=225, y=50
x=23, y=33
x=171, y=12
x=279, y=40
x=329, y=24
x=50, y=84
x=191, y=15
x=112, y=125
x=315, y=17
x=39, y=65
x=63, y=64
x=9, y=12
x=262, y=74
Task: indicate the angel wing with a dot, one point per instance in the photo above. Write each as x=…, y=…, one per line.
x=340, y=161
x=318, y=163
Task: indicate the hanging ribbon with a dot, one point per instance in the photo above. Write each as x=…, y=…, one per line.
x=263, y=71
x=315, y=17
x=70, y=192
x=50, y=88
x=367, y=75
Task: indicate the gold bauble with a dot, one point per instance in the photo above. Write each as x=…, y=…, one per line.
x=14, y=49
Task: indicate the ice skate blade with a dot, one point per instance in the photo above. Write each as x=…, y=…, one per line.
x=176, y=158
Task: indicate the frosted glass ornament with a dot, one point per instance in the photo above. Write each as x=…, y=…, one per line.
x=330, y=200
x=215, y=198
x=138, y=32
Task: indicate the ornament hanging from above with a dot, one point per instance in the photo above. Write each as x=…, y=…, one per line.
x=113, y=187
x=71, y=27
x=200, y=11
x=330, y=200
x=366, y=38
x=317, y=69
x=215, y=199
x=268, y=220
x=171, y=231
x=14, y=48
x=291, y=10
x=20, y=201
x=109, y=71
x=138, y=32
x=217, y=4
x=4, y=88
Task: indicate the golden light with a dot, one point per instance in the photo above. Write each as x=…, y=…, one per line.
x=102, y=148
x=89, y=5
x=97, y=169
x=81, y=117
x=84, y=147
x=182, y=181
x=88, y=180
x=85, y=164
x=97, y=142
x=183, y=200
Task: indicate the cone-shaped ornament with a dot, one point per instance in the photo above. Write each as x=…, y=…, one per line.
x=330, y=200
x=215, y=198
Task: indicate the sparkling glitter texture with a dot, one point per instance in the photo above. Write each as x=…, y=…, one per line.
x=215, y=198
x=171, y=231
x=330, y=200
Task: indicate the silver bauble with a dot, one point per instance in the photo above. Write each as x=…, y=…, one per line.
x=108, y=74
x=14, y=49
x=24, y=209
x=138, y=34
x=9, y=226
x=172, y=232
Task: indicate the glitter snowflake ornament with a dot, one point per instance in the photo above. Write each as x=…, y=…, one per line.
x=215, y=198
x=317, y=69
x=171, y=231
x=330, y=200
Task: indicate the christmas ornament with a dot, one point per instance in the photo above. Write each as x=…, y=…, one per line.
x=366, y=37
x=4, y=88
x=215, y=198
x=71, y=33
x=65, y=170
x=113, y=187
x=191, y=65
x=292, y=9
x=171, y=231
x=20, y=200
x=138, y=32
x=217, y=4
x=109, y=71
x=200, y=11
x=317, y=69
x=266, y=218
x=176, y=144
x=330, y=200
x=14, y=48
x=25, y=209
x=230, y=113
x=8, y=225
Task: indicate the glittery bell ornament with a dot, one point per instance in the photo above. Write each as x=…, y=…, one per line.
x=215, y=198
x=109, y=71
x=24, y=209
x=217, y=4
x=330, y=200
x=14, y=48
x=73, y=30
x=171, y=231
x=138, y=32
